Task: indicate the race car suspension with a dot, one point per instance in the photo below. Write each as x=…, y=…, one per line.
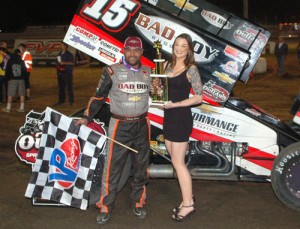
x=223, y=152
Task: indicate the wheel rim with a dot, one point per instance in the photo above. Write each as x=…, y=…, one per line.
x=293, y=178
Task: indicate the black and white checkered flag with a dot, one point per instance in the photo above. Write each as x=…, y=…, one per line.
x=65, y=162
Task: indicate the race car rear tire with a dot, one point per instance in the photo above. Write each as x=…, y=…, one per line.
x=285, y=176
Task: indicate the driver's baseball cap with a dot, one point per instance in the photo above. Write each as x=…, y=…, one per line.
x=133, y=43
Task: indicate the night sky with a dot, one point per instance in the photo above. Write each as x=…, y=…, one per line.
x=17, y=14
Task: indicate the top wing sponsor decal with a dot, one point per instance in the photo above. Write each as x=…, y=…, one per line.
x=112, y=15
x=86, y=34
x=223, y=77
x=235, y=54
x=154, y=28
x=245, y=35
x=82, y=42
x=216, y=19
x=231, y=67
x=187, y=5
x=153, y=2
x=107, y=49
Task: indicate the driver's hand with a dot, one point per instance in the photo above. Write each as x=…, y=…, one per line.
x=82, y=121
x=155, y=85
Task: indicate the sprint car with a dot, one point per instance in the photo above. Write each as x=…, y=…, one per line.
x=231, y=138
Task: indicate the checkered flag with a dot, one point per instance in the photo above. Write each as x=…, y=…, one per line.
x=65, y=162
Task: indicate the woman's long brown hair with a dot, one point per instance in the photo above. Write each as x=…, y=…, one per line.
x=190, y=59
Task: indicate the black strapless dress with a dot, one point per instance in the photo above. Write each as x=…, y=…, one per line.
x=178, y=122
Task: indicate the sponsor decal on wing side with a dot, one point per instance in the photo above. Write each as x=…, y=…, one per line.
x=216, y=19
x=235, y=54
x=245, y=35
x=223, y=77
x=82, y=42
x=231, y=67
x=187, y=5
x=154, y=28
x=215, y=92
x=86, y=34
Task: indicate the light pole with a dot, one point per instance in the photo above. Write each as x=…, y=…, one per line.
x=245, y=9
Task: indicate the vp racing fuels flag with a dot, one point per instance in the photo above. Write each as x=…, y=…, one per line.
x=65, y=162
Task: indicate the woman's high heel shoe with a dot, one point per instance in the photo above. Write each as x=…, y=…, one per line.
x=177, y=209
x=181, y=218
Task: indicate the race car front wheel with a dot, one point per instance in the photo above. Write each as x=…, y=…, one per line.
x=285, y=176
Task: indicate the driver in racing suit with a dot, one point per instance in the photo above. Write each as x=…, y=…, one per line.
x=127, y=84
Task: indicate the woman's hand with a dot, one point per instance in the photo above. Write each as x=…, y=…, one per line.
x=169, y=105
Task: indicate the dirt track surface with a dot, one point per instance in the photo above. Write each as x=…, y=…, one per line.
x=219, y=204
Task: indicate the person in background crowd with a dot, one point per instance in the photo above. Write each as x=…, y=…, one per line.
x=3, y=62
x=15, y=74
x=4, y=45
x=8, y=54
x=65, y=66
x=298, y=52
x=27, y=58
x=281, y=51
x=178, y=121
x=127, y=84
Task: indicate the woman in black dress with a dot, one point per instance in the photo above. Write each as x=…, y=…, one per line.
x=178, y=121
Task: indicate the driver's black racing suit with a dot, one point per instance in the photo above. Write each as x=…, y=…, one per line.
x=128, y=91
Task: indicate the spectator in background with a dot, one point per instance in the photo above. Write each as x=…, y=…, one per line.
x=4, y=45
x=298, y=52
x=8, y=54
x=3, y=61
x=281, y=51
x=27, y=58
x=65, y=65
x=15, y=74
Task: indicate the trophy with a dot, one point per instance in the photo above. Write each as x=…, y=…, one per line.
x=160, y=94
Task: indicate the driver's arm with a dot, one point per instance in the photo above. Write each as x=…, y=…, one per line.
x=96, y=102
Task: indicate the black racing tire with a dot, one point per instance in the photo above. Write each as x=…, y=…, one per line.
x=285, y=176
x=97, y=179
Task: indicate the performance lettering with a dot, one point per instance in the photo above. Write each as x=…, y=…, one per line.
x=215, y=122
